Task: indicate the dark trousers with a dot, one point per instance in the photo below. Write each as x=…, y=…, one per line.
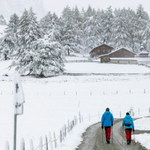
x=107, y=132
x=128, y=134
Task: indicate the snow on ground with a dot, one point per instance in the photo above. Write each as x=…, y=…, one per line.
x=144, y=139
x=143, y=124
x=104, y=68
x=51, y=102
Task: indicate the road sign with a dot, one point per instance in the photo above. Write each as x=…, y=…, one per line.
x=18, y=95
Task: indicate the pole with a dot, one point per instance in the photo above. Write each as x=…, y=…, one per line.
x=102, y=135
x=112, y=133
x=122, y=135
x=15, y=130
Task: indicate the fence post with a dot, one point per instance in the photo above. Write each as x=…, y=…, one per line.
x=31, y=145
x=22, y=145
x=130, y=91
x=90, y=93
x=62, y=133
x=60, y=136
x=79, y=117
x=41, y=144
x=65, y=130
x=120, y=114
x=55, y=140
x=68, y=126
x=74, y=120
x=46, y=148
x=50, y=139
x=6, y=145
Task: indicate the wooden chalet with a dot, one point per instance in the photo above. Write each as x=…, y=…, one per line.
x=100, y=50
x=118, y=53
x=143, y=54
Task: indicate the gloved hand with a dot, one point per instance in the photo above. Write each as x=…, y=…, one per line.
x=102, y=127
x=112, y=125
x=133, y=130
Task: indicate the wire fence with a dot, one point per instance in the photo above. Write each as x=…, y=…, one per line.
x=84, y=93
x=53, y=141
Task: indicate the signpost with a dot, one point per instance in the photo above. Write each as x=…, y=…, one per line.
x=18, y=101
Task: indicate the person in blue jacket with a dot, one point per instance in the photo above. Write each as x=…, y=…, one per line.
x=129, y=126
x=107, y=121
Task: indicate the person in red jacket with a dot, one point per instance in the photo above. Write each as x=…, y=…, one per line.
x=107, y=121
x=129, y=126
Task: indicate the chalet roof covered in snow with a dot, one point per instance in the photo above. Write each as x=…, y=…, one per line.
x=101, y=46
x=115, y=50
x=143, y=53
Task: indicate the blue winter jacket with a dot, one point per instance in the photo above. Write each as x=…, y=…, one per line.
x=107, y=119
x=128, y=122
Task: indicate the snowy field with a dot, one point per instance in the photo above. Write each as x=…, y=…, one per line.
x=51, y=102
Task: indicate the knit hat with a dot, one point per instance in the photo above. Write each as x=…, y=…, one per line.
x=127, y=113
x=107, y=109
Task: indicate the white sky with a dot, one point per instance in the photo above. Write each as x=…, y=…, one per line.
x=58, y=5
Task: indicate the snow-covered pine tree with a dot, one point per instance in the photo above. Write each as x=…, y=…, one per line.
x=89, y=12
x=12, y=26
x=77, y=21
x=107, y=25
x=9, y=41
x=130, y=24
x=120, y=29
x=4, y=50
x=142, y=19
x=92, y=33
x=28, y=32
x=67, y=31
x=2, y=20
x=147, y=33
x=92, y=30
x=46, y=23
x=48, y=57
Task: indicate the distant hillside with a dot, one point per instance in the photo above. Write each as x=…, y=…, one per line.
x=9, y=7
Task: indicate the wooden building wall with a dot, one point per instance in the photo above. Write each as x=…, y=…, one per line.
x=116, y=54
x=122, y=53
x=103, y=49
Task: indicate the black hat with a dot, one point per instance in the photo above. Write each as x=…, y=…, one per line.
x=127, y=113
x=107, y=109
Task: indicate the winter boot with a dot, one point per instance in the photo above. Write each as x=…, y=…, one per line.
x=108, y=140
x=128, y=141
